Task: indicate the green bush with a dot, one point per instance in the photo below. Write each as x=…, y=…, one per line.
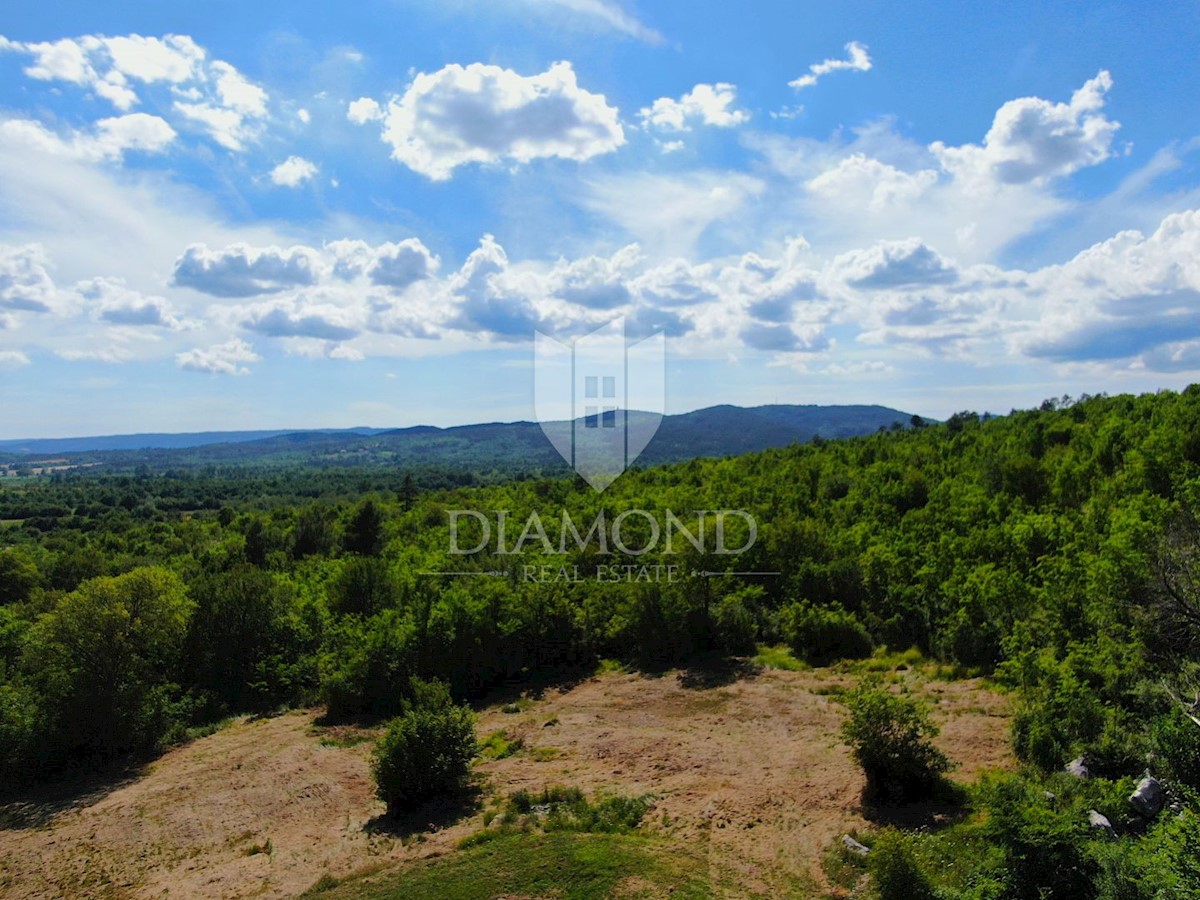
x=894, y=869
x=1043, y=844
x=1175, y=745
x=567, y=809
x=821, y=634
x=890, y=736
x=426, y=752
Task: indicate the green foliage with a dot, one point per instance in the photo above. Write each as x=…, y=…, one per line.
x=1175, y=744
x=1043, y=845
x=364, y=529
x=102, y=657
x=820, y=635
x=426, y=752
x=890, y=736
x=894, y=870
x=567, y=809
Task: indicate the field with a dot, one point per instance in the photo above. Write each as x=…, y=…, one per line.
x=751, y=786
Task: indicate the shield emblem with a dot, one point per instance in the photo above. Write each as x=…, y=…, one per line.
x=598, y=400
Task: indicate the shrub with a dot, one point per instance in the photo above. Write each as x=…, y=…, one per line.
x=1042, y=845
x=1175, y=743
x=567, y=809
x=820, y=635
x=890, y=736
x=427, y=751
x=895, y=871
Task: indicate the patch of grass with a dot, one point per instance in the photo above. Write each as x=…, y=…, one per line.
x=779, y=657
x=611, y=667
x=567, y=809
x=517, y=706
x=571, y=865
x=498, y=745
x=544, y=754
x=255, y=849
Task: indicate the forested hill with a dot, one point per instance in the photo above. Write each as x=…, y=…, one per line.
x=1054, y=550
x=504, y=448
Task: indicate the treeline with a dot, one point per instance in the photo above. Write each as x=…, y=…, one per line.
x=1038, y=547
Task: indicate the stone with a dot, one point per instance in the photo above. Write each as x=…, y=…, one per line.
x=854, y=846
x=1149, y=797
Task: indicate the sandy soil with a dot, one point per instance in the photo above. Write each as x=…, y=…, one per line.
x=749, y=773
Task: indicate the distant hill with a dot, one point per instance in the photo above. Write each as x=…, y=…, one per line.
x=43, y=446
x=495, y=447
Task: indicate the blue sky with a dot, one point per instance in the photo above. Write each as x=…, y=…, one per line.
x=299, y=215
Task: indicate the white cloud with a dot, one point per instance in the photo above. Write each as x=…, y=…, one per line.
x=220, y=359
x=857, y=60
x=12, y=359
x=612, y=14
x=110, y=139
x=858, y=180
x=304, y=116
x=485, y=114
x=1033, y=140
x=708, y=104
x=113, y=303
x=210, y=92
x=25, y=285
x=293, y=171
x=364, y=110
x=240, y=270
x=667, y=214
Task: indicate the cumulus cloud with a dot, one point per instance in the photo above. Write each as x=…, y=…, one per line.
x=25, y=285
x=1032, y=140
x=485, y=114
x=894, y=264
x=208, y=92
x=857, y=60
x=240, y=270
x=220, y=359
x=706, y=104
x=293, y=172
x=364, y=110
x=300, y=319
x=400, y=265
x=858, y=180
x=1133, y=297
x=112, y=302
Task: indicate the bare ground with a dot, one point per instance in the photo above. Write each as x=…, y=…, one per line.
x=749, y=773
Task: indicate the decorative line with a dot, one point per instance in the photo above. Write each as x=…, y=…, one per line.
x=468, y=574
x=718, y=574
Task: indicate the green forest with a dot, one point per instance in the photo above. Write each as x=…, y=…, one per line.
x=1055, y=551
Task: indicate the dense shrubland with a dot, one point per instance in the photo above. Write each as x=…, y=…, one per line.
x=1052, y=549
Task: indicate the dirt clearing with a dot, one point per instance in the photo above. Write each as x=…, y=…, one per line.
x=750, y=772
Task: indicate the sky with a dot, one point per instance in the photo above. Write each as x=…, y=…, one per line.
x=288, y=215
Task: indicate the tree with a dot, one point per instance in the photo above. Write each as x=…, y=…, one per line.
x=408, y=492
x=364, y=530
x=239, y=624
x=890, y=737
x=427, y=751
x=103, y=658
x=314, y=532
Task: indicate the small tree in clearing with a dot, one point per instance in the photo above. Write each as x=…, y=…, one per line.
x=427, y=751
x=890, y=736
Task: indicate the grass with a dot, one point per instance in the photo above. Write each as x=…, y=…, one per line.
x=498, y=745
x=567, y=865
x=779, y=657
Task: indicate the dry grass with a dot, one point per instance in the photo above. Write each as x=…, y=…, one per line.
x=748, y=773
